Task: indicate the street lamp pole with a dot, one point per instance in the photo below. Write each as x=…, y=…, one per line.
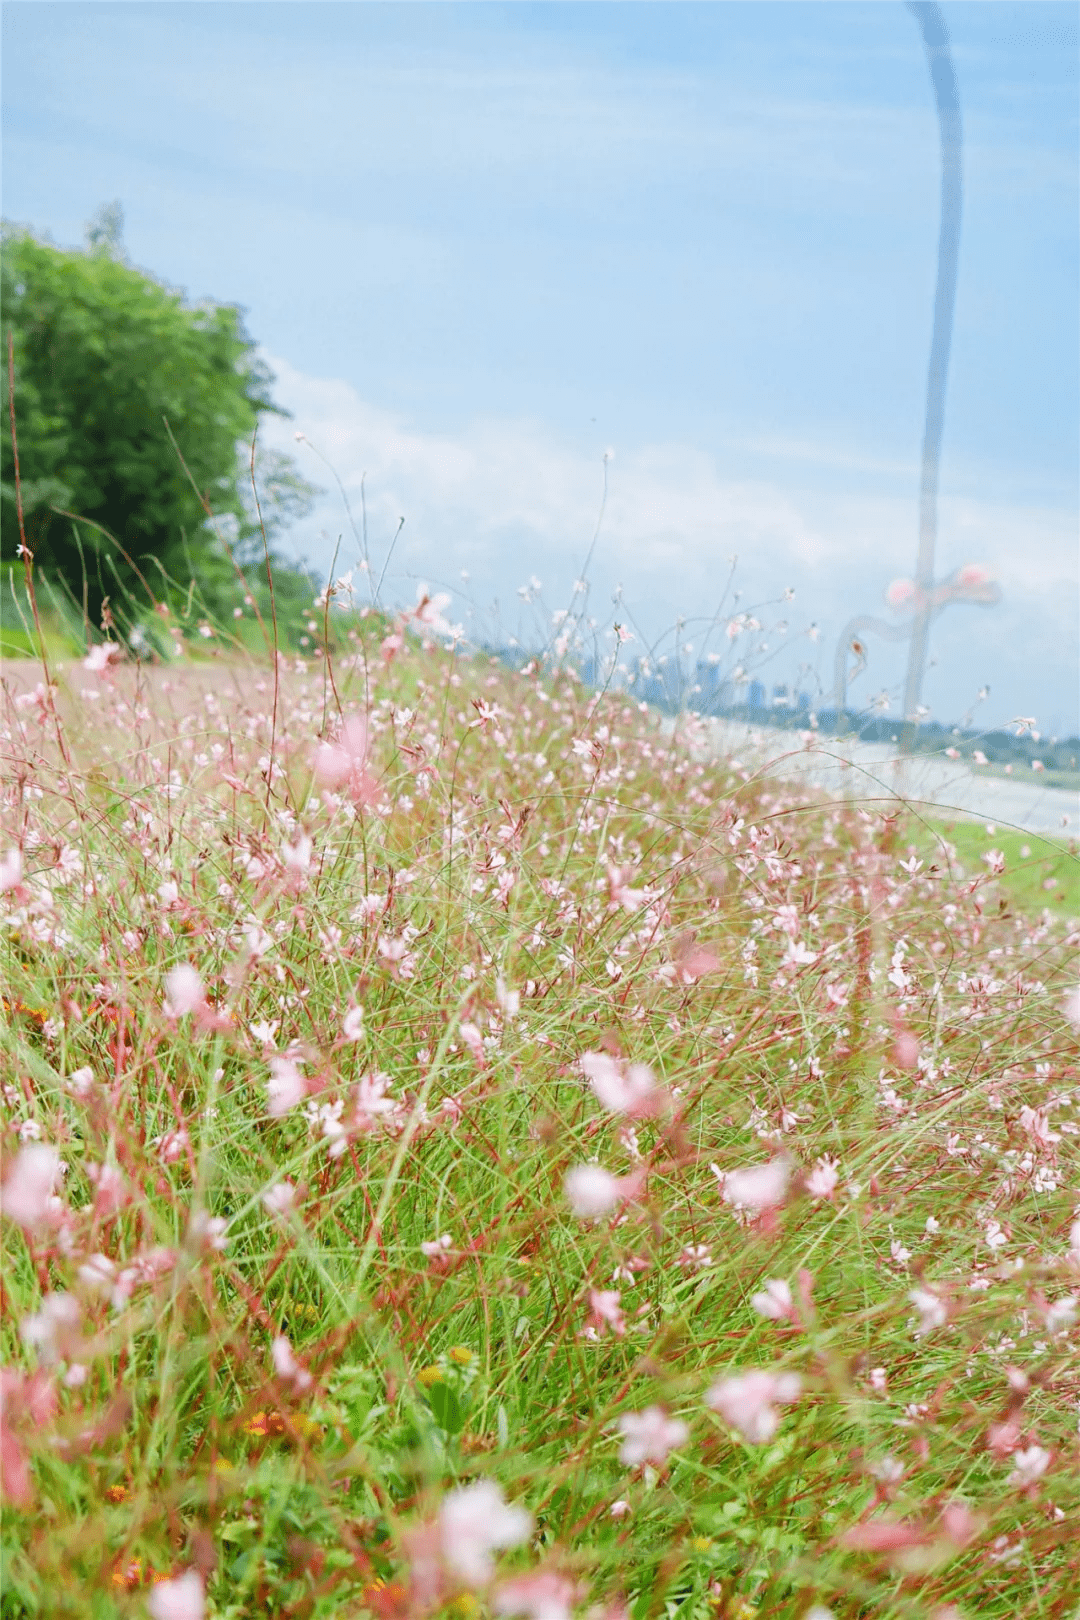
x=939, y=57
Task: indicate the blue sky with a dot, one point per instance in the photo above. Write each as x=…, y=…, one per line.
x=484, y=243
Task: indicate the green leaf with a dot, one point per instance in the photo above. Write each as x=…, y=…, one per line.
x=446, y=1407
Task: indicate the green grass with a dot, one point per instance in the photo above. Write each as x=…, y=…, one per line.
x=1039, y=872
x=640, y=905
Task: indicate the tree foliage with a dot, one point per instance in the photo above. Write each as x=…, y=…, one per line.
x=111, y=367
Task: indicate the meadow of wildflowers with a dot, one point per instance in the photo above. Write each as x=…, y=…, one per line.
x=464, y=1154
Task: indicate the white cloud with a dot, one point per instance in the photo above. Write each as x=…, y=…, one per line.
x=504, y=499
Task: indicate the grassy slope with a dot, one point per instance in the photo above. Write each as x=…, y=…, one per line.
x=1039, y=872
x=186, y=1446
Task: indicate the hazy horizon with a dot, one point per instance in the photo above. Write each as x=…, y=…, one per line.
x=482, y=245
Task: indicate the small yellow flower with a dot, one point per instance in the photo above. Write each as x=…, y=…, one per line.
x=461, y=1354
x=222, y=1465
x=431, y=1375
x=265, y=1423
x=701, y=1544
x=465, y=1605
x=741, y=1610
x=305, y=1427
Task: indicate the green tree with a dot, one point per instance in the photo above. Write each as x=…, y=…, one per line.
x=110, y=366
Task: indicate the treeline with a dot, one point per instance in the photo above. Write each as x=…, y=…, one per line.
x=135, y=411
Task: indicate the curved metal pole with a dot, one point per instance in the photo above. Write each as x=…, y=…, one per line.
x=861, y=621
x=936, y=42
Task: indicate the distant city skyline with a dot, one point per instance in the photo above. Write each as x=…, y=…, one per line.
x=483, y=244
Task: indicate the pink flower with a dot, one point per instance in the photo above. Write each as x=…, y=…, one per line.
x=905, y=1049
x=99, y=655
x=621, y=1089
x=396, y=953
x=110, y=1189
x=353, y=1024
x=593, y=1191
x=822, y=1180
x=473, y=1037
x=1037, y=1126
x=544, y=1595
x=285, y=1088
x=760, y=1187
x=11, y=870
x=650, y=1436
x=693, y=962
x=606, y=1308
x=973, y=575
x=883, y=1536
x=184, y=991
x=901, y=593
x=748, y=1401
x=287, y=1367
x=24, y=1402
x=27, y=1194
x=372, y=1103
x=279, y=1199
x=474, y=1522
x=1071, y=1008
x=619, y=876
x=342, y=763
x=182, y=1598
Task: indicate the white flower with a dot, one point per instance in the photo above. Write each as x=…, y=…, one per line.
x=774, y=1301
x=933, y=1312
x=543, y=1595
x=1062, y=1314
x=353, y=1024
x=99, y=655
x=280, y=1198
x=762, y=1186
x=649, y=1436
x=98, y=1273
x=285, y=1088
x=179, y=1599
x=474, y=1522
x=619, y=1088
x=53, y=1327
x=1029, y=1465
x=209, y=1231
x=183, y=991
x=591, y=1190
x=11, y=870
x=297, y=857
